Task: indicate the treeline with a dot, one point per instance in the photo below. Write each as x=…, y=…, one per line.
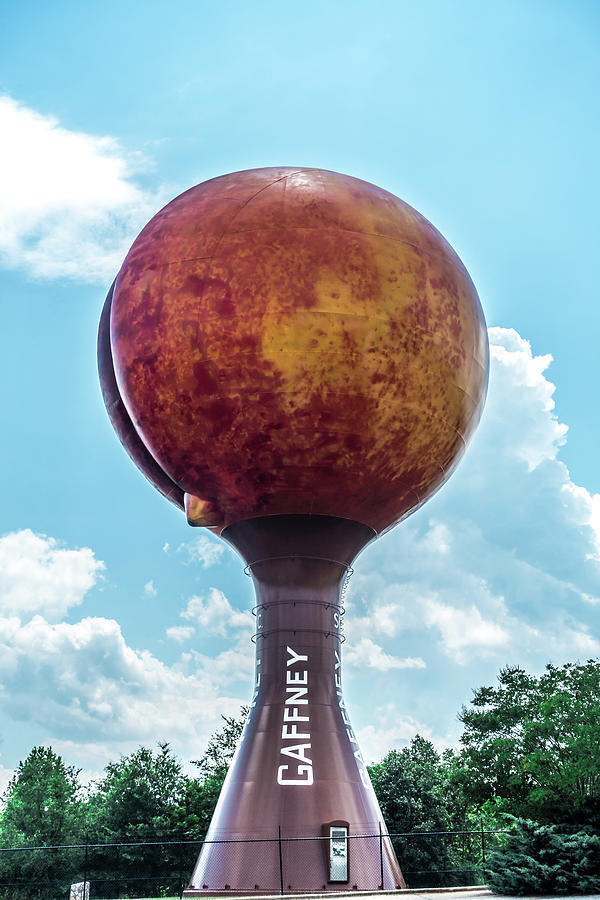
x=528, y=765
x=143, y=798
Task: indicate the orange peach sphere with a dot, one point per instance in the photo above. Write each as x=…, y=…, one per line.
x=293, y=341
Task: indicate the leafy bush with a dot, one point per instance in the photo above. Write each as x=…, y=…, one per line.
x=542, y=859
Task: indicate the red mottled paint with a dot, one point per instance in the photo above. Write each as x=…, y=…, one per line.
x=294, y=341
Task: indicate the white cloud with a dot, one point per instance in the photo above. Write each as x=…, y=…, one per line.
x=392, y=731
x=150, y=589
x=70, y=205
x=502, y=566
x=530, y=430
x=202, y=550
x=215, y=614
x=38, y=575
x=464, y=630
x=367, y=653
x=80, y=684
x=81, y=681
x=236, y=664
x=400, y=609
x=180, y=633
x=5, y=777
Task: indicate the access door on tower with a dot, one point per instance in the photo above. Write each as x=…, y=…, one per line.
x=338, y=853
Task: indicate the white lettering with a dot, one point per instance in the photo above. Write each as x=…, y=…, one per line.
x=291, y=731
x=297, y=752
x=362, y=770
x=256, y=684
x=301, y=769
x=360, y=763
x=298, y=696
x=295, y=657
x=292, y=714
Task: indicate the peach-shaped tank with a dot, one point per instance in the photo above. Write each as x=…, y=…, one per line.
x=299, y=359
x=294, y=341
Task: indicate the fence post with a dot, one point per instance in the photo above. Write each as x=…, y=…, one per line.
x=482, y=843
x=85, y=871
x=381, y=856
x=280, y=861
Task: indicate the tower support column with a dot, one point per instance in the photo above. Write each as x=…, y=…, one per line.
x=298, y=771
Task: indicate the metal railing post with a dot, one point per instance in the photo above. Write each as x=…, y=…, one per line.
x=381, y=856
x=85, y=870
x=280, y=861
x=482, y=843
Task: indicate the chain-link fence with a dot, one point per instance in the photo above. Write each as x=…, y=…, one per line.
x=162, y=869
x=444, y=858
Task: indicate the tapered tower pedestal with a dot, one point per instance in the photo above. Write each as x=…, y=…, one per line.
x=298, y=773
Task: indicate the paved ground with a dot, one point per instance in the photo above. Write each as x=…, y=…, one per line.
x=436, y=894
x=483, y=893
x=474, y=893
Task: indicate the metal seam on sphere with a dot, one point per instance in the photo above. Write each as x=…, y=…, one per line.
x=385, y=237
x=236, y=213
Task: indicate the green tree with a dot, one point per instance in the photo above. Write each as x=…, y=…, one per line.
x=42, y=803
x=203, y=792
x=42, y=806
x=532, y=744
x=221, y=747
x=545, y=859
x=417, y=793
x=146, y=797
x=139, y=799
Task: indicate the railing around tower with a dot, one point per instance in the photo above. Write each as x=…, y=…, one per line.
x=162, y=868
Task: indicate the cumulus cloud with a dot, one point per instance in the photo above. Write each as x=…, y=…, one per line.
x=529, y=430
x=150, y=589
x=464, y=630
x=37, y=574
x=235, y=664
x=214, y=614
x=392, y=730
x=5, y=777
x=70, y=203
x=502, y=566
x=180, y=633
x=367, y=653
x=80, y=683
x=203, y=551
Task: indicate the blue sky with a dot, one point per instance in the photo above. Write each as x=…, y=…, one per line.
x=118, y=623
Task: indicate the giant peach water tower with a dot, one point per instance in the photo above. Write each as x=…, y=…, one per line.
x=297, y=359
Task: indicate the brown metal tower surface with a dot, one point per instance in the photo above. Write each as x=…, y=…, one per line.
x=298, y=767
